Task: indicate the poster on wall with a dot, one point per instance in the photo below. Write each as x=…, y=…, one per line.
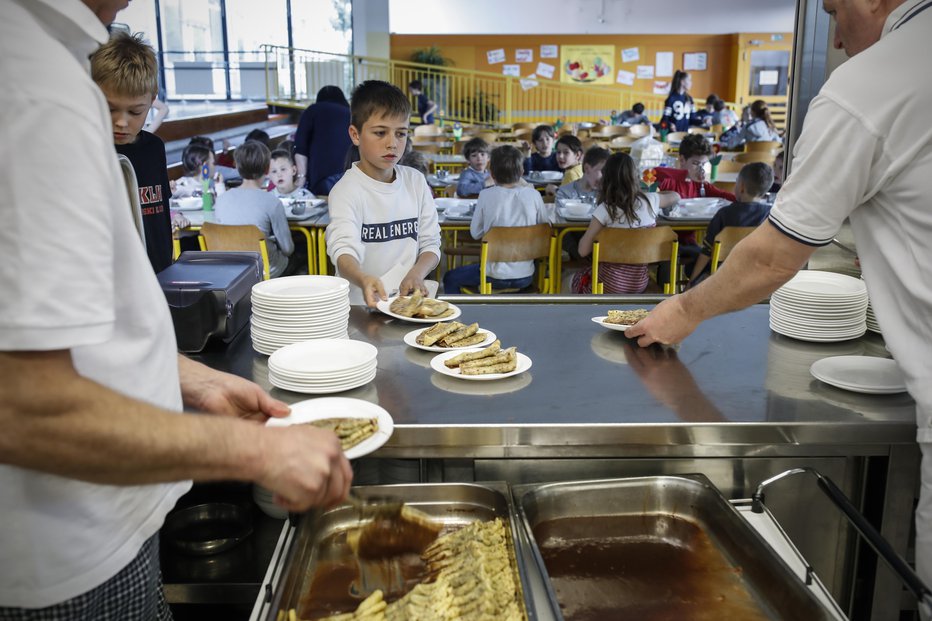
x=645, y=72
x=664, y=64
x=625, y=77
x=586, y=64
x=548, y=51
x=545, y=70
x=496, y=56
x=768, y=78
x=524, y=56
x=696, y=61
x=661, y=88
x=630, y=55
x=513, y=70
x=529, y=82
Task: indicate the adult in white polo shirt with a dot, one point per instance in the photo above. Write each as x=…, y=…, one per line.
x=865, y=153
x=94, y=449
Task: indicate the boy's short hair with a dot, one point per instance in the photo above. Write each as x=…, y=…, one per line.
x=506, y=164
x=202, y=140
x=126, y=65
x=540, y=130
x=252, y=159
x=416, y=85
x=281, y=153
x=417, y=161
x=193, y=158
x=694, y=144
x=719, y=105
x=258, y=135
x=571, y=142
x=595, y=156
x=757, y=178
x=475, y=145
x=377, y=97
x=638, y=108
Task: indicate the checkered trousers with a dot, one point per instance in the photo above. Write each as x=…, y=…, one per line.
x=134, y=594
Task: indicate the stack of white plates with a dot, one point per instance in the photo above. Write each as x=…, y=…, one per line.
x=872, y=324
x=323, y=366
x=297, y=308
x=820, y=307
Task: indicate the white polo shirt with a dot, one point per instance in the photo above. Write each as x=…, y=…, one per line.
x=865, y=152
x=74, y=276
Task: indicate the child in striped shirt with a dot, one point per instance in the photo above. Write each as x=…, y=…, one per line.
x=622, y=204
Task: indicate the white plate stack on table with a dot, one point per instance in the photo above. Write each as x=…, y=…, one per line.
x=872, y=324
x=298, y=308
x=323, y=366
x=820, y=307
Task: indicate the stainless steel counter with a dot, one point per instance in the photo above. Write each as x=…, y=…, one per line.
x=735, y=401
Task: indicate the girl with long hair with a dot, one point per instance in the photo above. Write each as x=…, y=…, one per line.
x=679, y=109
x=757, y=127
x=623, y=205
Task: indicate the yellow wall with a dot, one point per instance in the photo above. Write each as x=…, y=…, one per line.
x=720, y=77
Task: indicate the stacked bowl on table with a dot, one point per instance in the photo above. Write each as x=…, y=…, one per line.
x=820, y=307
x=323, y=366
x=297, y=308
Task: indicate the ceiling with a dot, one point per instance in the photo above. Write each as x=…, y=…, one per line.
x=590, y=16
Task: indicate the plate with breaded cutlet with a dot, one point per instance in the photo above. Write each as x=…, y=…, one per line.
x=621, y=320
x=449, y=335
x=361, y=426
x=489, y=363
x=418, y=309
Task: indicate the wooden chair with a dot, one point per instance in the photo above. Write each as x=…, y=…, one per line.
x=756, y=156
x=635, y=246
x=618, y=130
x=518, y=126
x=676, y=136
x=489, y=137
x=717, y=129
x=727, y=166
x=523, y=134
x=427, y=148
x=725, y=241
x=235, y=237
x=725, y=186
x=425, y=139
x=763, y=145
x=621, y=142
x=428, y=130
x=639, y=131
x=519, y=243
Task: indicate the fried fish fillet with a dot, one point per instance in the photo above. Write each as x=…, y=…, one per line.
x=502, y=367
x=626, y=317
x=491, y=350
x=453, y=338
x=507, y=356
x=469, y=341
x=437, y=331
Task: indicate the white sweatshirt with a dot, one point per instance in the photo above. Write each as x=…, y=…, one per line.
x=381, y=225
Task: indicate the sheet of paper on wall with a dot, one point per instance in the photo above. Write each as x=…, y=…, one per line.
x=625, y=77
x=524, y=56
x=630, y=55
x=529, y=82
x=768, y=78
x=661, y=88
x=549, y=51
x=664, y=64
x=545, y=70
x=496, y=56
x=645, y=72
x=695, y=61
x=513, y=70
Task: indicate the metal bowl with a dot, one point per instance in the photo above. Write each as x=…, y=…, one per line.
x=207, y=529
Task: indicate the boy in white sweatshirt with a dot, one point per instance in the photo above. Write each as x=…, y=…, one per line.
x=382, y=216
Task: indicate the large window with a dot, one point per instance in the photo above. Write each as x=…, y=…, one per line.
x=323, y=25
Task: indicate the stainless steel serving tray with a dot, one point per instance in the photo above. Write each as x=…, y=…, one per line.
x=450, y=503
x=772, y=585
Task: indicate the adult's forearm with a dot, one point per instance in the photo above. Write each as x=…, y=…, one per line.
x=300, y=161
x=425, y=264
x=86, y=431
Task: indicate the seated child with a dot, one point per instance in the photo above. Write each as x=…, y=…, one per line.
x=193, y=158
x=508, y=203
x=228, y=172
x=383, y=221
x=417, y=161
x=476, y=176
x=723, y=115
x=126, y=70
x=622, y=204
x=250, y=204
x=778, y=167
x=569, y=154
x=634, y=116
x=586, y=187
x=284, y=175
x=544, y=159
x=756, y=126
x=750, y=209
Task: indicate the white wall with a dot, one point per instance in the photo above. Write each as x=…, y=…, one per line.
x=590, y=16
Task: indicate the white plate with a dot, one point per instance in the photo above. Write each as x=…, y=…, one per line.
x=385, y=307
x=323, y=356
x=341, y=407
x=574, y=218
x=444, y=204
x=524, y=363
x=865, y=374
x=611, y=326
x=411, y=339
x=188, y=203
x=459, y=213
x=544, y=176
x=320, y=389
x=301, y=288
x=501, y=387
x=810, y=284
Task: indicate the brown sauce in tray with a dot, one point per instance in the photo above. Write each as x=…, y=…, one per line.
x=648, y=568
